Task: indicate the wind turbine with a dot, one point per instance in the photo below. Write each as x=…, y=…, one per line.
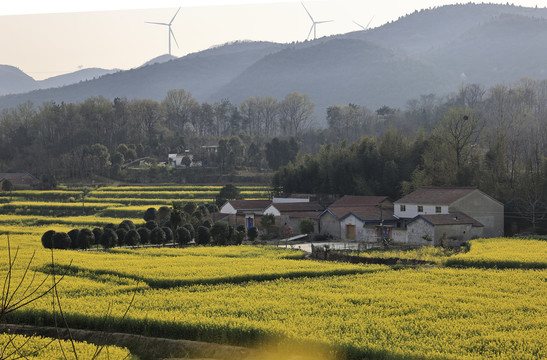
x=170, y=32
x=314, y=24
x=364, y=27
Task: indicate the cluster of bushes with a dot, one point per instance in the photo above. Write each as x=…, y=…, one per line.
x=191, y=216
x=180, y=224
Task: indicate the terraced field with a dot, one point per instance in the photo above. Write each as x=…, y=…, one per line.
x=122, y=201
x=467, y=306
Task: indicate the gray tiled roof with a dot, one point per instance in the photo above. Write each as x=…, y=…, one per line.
x=435, y=195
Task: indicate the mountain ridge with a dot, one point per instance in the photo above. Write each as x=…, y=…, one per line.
x=428, y=51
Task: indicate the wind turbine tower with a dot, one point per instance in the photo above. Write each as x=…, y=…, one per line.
x=314, y=24
x=170, y=31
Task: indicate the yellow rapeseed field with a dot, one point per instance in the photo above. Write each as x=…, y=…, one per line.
x=487, y=303
x=503, y=253
x=246, y=295
x=40, y=348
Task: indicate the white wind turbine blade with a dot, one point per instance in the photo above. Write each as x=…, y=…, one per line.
x=174, y=16
x=311, y=29
x=361, y=26
x=307, y=12
x=324, y=21
x=173, y=34
x=156, y=23
x=368, y=25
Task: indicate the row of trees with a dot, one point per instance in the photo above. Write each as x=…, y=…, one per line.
x=111, y=236
x=177, y=225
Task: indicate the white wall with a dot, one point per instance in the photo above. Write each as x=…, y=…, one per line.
x=228, y=209
x=399, y=236
x=484, y=209
x=277, y=200
x=411, y=210
x=362, y=233
x=272, y=210
x=330, y=225
x=416, y=231
x=351, y=220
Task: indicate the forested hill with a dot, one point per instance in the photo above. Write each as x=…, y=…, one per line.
x=13, y=80
x=506, y=48
x=338, y=72
x=75, y=77
x=428, y=52
x=422, y=31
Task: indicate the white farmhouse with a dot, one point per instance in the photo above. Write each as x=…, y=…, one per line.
x=443, y=206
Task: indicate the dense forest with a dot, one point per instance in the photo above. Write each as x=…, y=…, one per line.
x=494, y=139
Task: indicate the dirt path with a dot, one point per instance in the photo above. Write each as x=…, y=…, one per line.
x=145, y=347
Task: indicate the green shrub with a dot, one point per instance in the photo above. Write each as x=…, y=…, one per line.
x=61, y=240
x=183, y=236
x=86, y=238
x=74, y=238
x=132, y=238
x=168, y=234
x=203, y=237
x=120, y=233
x=144, y=234
x=109, y=238
x=47, y=239
x=157, y=236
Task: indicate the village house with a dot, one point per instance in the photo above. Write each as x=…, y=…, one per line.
x=443, y=230
x=183, y=160
x=244, y=212
x=363, y=218
x=20, y=181
x=288, y=211
x=291, y=213
x=447, y=216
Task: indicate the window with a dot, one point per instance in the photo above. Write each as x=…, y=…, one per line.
x=420, y=208
x=403, y=207
x=438, y=209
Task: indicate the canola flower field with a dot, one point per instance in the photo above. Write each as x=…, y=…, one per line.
x=487, y=303
x=39, y=348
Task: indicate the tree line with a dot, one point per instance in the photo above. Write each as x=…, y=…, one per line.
x=180, y=224
x=66, y=136
x=495, y=140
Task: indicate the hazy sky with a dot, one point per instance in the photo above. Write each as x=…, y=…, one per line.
x=48, y=38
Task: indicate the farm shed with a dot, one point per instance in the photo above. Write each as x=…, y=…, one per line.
x=365, y=223
x=365, y=218
x=443, y=229
x=20, y=181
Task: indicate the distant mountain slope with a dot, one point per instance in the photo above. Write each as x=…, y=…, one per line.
x=200, y=73
x=13, y=81
x=160, y=59
x=430, y=28
x=338, y=71
x=502, y=50
x=73, y=78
